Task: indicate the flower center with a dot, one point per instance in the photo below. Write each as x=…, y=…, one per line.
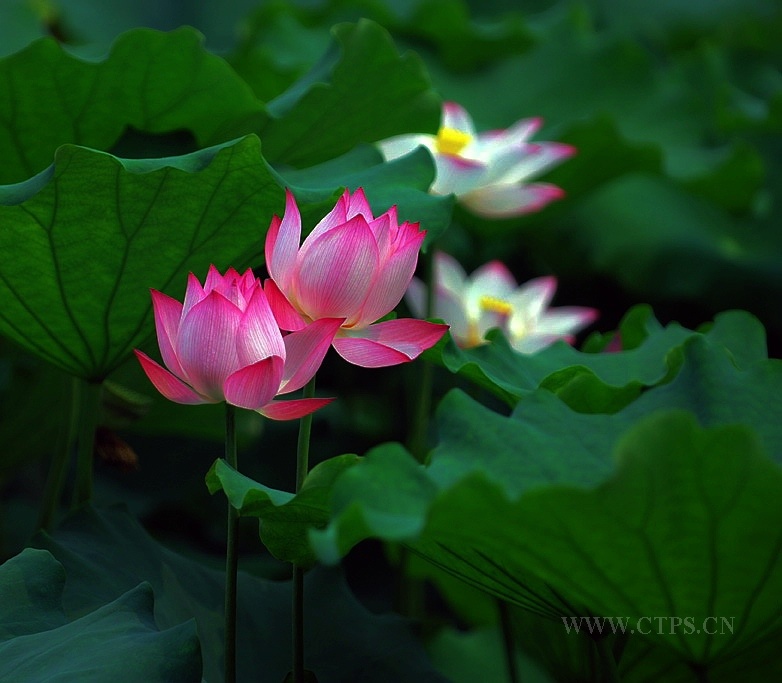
x=451, y=141
x=494, y=305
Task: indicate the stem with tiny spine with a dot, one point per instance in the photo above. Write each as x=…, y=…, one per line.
x=231, y=556
x=88, y=413
x=302, y=467
x=62, y=453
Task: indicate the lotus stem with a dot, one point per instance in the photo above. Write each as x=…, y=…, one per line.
x=231, y=556
x=88, y=413
x=60, y=458
x=302, y=467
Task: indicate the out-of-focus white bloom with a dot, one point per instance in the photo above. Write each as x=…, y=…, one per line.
x=488, y=172
x=490, y=297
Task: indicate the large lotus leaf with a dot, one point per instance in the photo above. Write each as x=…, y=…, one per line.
x=38, y=641
x=403, y=183
x=81, y=244
x=544, y=442
x=362, y=90
x=154, y=82
x=687, y=525
x=106, y=552
x=31, y=587
x=598, y=382
x=488, y=467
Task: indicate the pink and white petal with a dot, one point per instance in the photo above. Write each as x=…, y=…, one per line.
x=305, y=351
x=390, y=283
x=173, y=388
x=489, y=145
x=214, y=280
x=193, y=294
x=503, y=201
x=503, y=164
x=230, y=287
x=533, y=297
x=522, y=130
x=400, y=145
x=337, y=216
x=259, y=334
x=389, y=343
x=282, y=242
x=452, y=310
x=168, y=313
x=493, y=279
x=456, y=117
x=535, y=342
x=565, y=320
x=488, y=320
x=253, y=386
x=449, y=273
x=367, y=353
x=337, y=271
x=538, y=158
x=358, y=205
x=287, y=317
x=293, y=409
x=207, y=344
x=457, y=175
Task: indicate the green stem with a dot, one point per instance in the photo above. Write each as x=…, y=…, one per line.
x=88, y=413
x=508, y=641
x=302, y=467
x=59, y=465
x=231, y=556
x=609, y=670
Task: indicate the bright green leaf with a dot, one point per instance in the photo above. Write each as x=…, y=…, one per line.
x=596, y=382
x=151, y=81
x=285, y=518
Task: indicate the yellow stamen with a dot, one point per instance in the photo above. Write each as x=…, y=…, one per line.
x=490, y=303
x=451, y=141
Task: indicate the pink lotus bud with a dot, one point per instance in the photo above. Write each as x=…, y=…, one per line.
x=351, y=266
x=223, y=344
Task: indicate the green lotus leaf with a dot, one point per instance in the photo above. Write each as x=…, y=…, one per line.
x=81, y=245
x=151, y=81
x=39, y=641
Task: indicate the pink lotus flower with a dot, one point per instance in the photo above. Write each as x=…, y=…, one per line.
x=491, y=298
x=223, y=344
x=351, y=266
x=488, y=172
